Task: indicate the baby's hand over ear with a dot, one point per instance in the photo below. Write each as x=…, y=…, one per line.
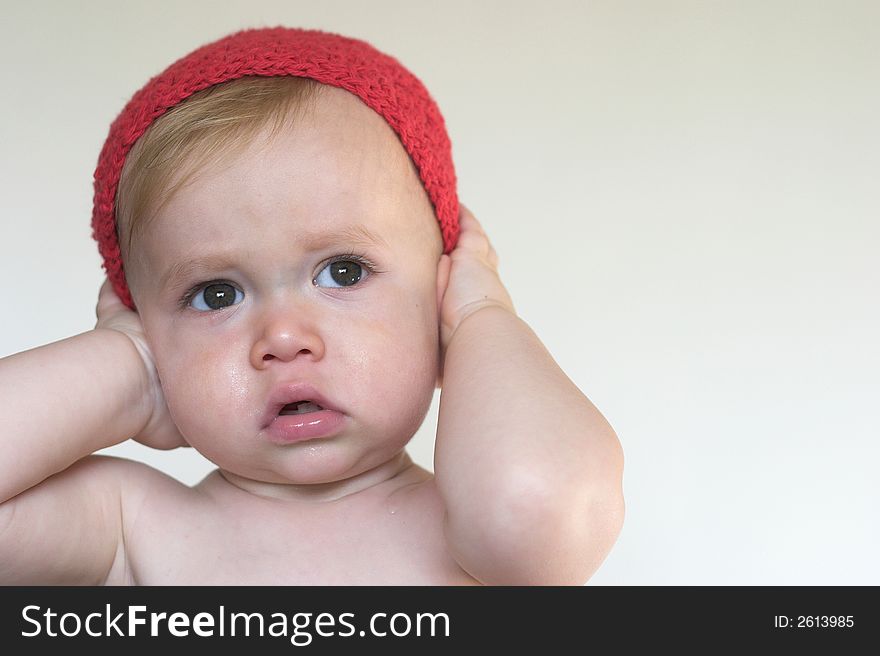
x=474, y=282
x=160, y=432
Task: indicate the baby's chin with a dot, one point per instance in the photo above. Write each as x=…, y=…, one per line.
x=334, y=462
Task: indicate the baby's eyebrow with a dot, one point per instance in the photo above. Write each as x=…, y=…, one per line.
x=182, y=270
x=356, y=235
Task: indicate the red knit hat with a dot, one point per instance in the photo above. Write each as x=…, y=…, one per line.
x=376, y=78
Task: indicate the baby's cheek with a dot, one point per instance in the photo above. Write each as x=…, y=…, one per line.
x=395, y=363
x=204, y=388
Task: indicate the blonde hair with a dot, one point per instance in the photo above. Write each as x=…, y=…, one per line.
x=207, y=127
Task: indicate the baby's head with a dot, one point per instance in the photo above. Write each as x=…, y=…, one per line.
x=277, y=234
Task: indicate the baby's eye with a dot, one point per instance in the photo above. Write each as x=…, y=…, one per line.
x=340, y=273
x=216, y=296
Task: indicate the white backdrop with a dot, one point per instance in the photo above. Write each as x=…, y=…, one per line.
x=684, y=197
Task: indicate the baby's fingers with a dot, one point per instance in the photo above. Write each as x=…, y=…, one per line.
x=473, y=238
x=107, y=300
x=111, y=312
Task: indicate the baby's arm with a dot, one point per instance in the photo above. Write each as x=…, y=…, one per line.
x=528, y=468
x=60, y=512
x=63, y=401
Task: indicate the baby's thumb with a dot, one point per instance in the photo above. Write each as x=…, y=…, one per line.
x=110, y=310
x=108, y=301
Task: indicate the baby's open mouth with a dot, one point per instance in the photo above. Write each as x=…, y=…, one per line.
x=300, y=408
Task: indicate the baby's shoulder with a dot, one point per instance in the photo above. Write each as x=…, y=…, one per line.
x=138, y=485
x=146, y=497
x=70, y=529
x=130, y=477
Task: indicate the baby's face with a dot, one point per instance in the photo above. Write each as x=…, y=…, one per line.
x=270, y=307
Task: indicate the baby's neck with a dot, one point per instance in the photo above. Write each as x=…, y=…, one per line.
x=323, y=492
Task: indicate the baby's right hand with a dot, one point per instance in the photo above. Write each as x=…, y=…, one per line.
x=160, y=431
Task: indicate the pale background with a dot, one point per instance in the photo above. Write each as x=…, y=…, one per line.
x=684, y=197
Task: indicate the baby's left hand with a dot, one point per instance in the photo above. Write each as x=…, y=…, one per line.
x=474, y=282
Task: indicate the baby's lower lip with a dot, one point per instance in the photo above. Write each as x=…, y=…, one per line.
x=287, y=429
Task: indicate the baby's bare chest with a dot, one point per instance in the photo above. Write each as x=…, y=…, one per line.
x=397, y=542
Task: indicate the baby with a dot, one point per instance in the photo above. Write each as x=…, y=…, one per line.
x=290, y=276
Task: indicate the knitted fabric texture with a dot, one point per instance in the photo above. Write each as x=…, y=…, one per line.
x=376, y=78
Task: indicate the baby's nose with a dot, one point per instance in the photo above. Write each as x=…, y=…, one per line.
x=286, y=336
